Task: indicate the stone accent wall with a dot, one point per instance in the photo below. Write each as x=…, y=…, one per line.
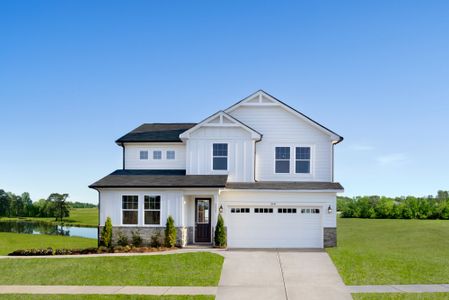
x=330, y=237
x=146, y=233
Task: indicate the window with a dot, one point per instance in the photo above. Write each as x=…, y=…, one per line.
x=286, y=210
x=238, y=210
x=303, y=160
x=282, y=160
x=152, y=210
x=263, y=210
x=143, y=154
x=310, y=211
x=170, y=154
x=220, y=156
x=157, y=154
x=130, y=206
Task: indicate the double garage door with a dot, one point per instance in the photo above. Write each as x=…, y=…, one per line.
x=274, y=227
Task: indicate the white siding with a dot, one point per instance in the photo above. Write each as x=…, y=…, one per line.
x=282, y=198
x=111, y=205
x=240, y=152
x=282, y=128
x=133, y=161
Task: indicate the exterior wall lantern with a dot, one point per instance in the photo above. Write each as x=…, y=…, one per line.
x=220, y=210
x=329, y=209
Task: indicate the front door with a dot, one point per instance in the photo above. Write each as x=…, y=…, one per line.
x=202, y=220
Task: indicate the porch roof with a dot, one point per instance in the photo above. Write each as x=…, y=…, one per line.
x=284, y=185
x=159, y=179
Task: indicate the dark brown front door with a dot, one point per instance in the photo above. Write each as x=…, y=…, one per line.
x=202, y=220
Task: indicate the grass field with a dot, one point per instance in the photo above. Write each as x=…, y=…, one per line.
x=186, y=269
x=83, y=217
x=100, y=297
x=14, y=241
x=402, y=296
x=392, y=251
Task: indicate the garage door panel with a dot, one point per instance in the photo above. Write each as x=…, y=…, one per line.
x=274, y=230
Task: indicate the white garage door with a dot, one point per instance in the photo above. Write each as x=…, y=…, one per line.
x=274, y=227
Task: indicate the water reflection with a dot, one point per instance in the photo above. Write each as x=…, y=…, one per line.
x=45, y=228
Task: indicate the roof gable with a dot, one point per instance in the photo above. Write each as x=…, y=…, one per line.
x=263, y=99
x=221, y=119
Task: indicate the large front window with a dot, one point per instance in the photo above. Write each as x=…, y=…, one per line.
x=282, y=160
x=152, y=210
x=130, y=208
x=220, y=156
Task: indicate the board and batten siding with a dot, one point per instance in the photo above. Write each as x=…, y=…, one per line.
x=240, y=152
x=133, y=161
x=282, y=128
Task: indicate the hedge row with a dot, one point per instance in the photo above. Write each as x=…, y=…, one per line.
x=376, y=207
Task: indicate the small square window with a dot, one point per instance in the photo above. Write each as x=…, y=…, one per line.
x=143, y=154
x=170, y=154
x=157, y=154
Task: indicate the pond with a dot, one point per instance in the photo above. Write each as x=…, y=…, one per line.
x=45, y=228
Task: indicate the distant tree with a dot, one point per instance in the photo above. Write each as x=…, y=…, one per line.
x=443, y=195
x=81, y=205
x=5, y=205
x=28, y=208
x=61, y=207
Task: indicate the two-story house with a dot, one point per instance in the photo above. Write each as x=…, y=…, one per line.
x=266, y=167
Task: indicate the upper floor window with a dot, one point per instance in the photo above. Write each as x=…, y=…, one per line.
x=130, y=207
x=220, y=156
x=157, y=154
x=152, y=210
x=170, y=154
x=143, y=154
x=282, y=160
x=302, y=160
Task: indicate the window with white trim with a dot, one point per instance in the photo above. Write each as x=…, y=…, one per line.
x=302, y=157
x=152, y=210
x=286, y=210
x=130, y=210
x=170, y=154
x=220, y=156
x=157, y=154
x=282, y=160
x=263, y=210
x=143, y=154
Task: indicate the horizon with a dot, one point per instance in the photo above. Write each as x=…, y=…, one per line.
x=375, y=73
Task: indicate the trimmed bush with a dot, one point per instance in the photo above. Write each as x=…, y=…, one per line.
x=170, y=233
x=106, y=233
x=122, y=239
x=220, y=233
x=156, y=240
x=137, y=239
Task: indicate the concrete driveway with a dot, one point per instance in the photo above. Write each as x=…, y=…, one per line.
x=258, y=275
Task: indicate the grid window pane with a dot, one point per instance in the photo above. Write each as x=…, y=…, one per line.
x=130, y=202
x=170, y=154
x=152, y=217
x=282, y=166
x=157, y=154
x=303, y=166
x=302, y=152
x=220, y=149
x=129, y=217
x=143, y=154
x=282, y=153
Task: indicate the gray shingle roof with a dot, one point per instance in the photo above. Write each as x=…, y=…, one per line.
x=156, y=132
x=159, y=179
x=284, y=185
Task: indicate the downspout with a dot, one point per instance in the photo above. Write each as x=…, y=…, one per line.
x=98, y=226
x=123, y=146
x=254, y=173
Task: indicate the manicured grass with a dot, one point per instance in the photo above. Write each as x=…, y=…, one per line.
x=14, y=241
x=186, y=269
x=83, y=217
x=392, y=251
x=101, y=297
x=402, y=296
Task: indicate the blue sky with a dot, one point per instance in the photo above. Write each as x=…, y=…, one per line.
x=76, y=75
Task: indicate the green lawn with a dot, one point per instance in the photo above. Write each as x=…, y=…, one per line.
x=186, y=269
x=85, y=217
x=100, y=297
x=14, y=241
x=402, y=296
x=392, y=251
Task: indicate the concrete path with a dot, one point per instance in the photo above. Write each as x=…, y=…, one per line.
x=107, y=290
x=280, y=275
x=402, y=288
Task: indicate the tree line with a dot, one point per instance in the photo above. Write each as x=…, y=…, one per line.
x=380, y=207
x=55, y=206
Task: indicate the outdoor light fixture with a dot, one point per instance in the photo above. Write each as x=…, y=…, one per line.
x=221, y=209
x=329, y=209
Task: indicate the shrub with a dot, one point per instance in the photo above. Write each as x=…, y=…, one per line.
x=136, y=238
x=122, y=239
x=106, y=233
x=31, y=252
x=220, y=233
x=170, y=233
x=156, y=240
